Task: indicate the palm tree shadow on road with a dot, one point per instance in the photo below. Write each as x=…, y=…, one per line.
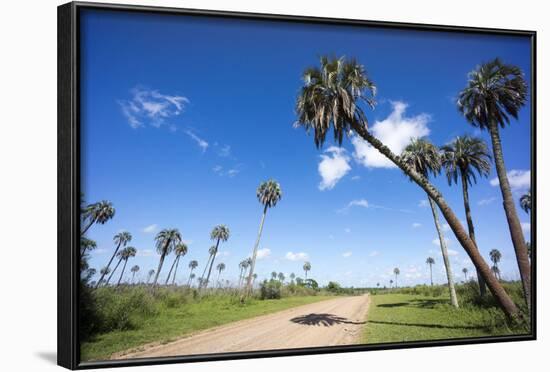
x=324, y=319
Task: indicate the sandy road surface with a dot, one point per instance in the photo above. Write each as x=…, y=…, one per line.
x=332, y=322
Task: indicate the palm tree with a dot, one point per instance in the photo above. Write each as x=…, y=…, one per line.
x=100, y=212
x=332, y=97
x=86, y=245
x=273, y=275
x=104, y=271
x=211, y=252
x=150, y=275
x=268, y=193
x=494, y=93
x=306, y=267
x=430, y=261
x=125, y=254
x=422, y=156
x=180, y=251
x=281, y=277
x=396, y=272
x=292, y=276
x=463, y=158
x=134, y=270
x=191, y=277
x=220, y=268
x=166, y=242
x=525, y=201
x=192, y=265
x=465, y=271
x=391, y=283
x=254, y=277
x=121, y=239
x=495, y=258
x=219, y=233
x=529, y=249
x=377, y=285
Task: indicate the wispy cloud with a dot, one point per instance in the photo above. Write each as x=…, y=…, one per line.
x=374, y=254
x=224, y=151
x=526, y=227
x=333, y=167
x=298, y=256
x=487, y=201
x=201, y=142
x=151, y=107
x=416, y=225
x=518, y=179
x=263, y=253
x=347, y=254
x=365, y=204
x=150, y=229
x=347, y=230
x=423, y=203
x=146, y=253
x=435, y=241
x=396, y=132
x=219, y=170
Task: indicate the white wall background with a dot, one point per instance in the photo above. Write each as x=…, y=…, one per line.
x=28, y=183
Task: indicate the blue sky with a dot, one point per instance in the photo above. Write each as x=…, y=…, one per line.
x=183, y=117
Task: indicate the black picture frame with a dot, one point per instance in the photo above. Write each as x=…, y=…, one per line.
x=69, y=184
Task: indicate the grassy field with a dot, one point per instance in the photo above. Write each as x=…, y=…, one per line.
x=173, y=320
x=414, y=317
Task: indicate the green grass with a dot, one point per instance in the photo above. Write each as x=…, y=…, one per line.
x=413, y=317
x=172, y=322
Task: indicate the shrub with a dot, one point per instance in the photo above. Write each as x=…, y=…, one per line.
x=270, y=289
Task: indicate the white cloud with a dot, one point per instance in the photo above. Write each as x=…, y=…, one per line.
x=435, y=241
x=355, y=178
x=487, y=201
x=146, y=253
x=202, y=143
x=452, y=252
x=150, y=229
x=526, y=227
x=347, y=230
x=224, y=151
x=446, y=227
x=396, y=132
x=347, y=254
x=150, y=107
x=333, y=167
x=423, y=203
x=518, y=179
x=232, y=172
x=299, y=256
x=223, y=253
x=263, y=253
x=416, y=225
x=374, y=254
x=217, y=169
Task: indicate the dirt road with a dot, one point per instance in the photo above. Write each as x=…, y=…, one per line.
x=332, y=322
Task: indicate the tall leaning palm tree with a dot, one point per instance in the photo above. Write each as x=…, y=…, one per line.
x=179, y=251
x=422, y=156
x=268, y=193
x=396, y=272
x=306, y=267
x=465, y=271
x=525, y=201
x=220, y=267
x=192, y=265
x=166, y=241
x=134, y=270
x=464, y=158
x=430, y=261
x=495, y=92
x=220, y=233
x=125, y=254
x=121, y=239
x=86, y=245
x=150, y=275
x=496, y=256
x=334, y=96
x=100, y=212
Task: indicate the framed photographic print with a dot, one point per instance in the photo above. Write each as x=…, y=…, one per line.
x=236, y=185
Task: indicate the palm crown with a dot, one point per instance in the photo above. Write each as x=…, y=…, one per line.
x=430, y=261
x=332, y=94
x=167, y=240
x=422, y=156
x=134, y=269
x=307, y=266
x=465, y=156
x=495, y=91
x=220, y=267
x=220, y=232
x=181, y=249
x=525, y=201
x=269, y=193
x=127, y=252
x=495, y=255
x=100, y=212
x=122, y=238
x=193, y=264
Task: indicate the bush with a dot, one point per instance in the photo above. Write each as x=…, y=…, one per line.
x=270, y=290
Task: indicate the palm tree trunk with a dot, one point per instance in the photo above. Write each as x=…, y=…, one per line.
x=444, y=253
x=176, y=270
x=204, y=271
x=133, y=277
x=170, y=272
x=92, y=221
x=431, y=276
x=189, y=280
x=113, y=272
x=108, y=264
x=161, y=261
x=471, y=231
x=212, y=264
x=503, y=299
x=122, y=273
x=254, y=253
x=514, y=225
